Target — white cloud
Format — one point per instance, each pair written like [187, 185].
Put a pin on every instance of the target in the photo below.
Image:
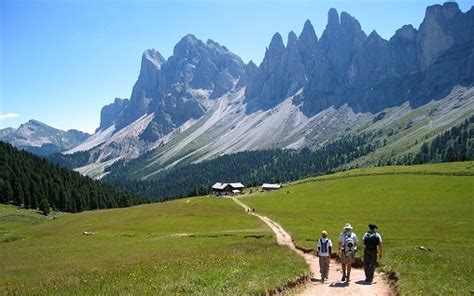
[8, 116]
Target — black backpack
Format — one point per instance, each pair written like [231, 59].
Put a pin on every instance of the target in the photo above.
[371, 240]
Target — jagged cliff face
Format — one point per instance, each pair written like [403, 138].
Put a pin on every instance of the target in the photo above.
[301, 95]
[366, 72]
[168, 96]
[111, 113]
[180, 88]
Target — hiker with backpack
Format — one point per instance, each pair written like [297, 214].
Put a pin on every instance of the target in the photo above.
[373, 244]
[324, 247]
[348, 248]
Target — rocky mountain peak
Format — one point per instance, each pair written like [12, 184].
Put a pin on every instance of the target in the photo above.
[350, 23]
[440, 29]
[34, 122]
[333, 19]
[308, 35]
[406, 32]
[154, 57]
[42, 139]
[187, 46]
[447, 10]
[110, 113]
[143, 91]
[292, 40]
[276, 44]
[375, 38]
[251, 65]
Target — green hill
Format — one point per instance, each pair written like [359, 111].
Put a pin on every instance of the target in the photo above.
[426, 205]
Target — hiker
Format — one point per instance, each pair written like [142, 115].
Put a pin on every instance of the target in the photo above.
[348, 247]
[324, 247]
[373, 243]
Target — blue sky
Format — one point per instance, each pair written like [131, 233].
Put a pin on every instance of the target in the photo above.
[62, 61]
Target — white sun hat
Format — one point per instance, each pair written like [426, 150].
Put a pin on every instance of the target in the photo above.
[348, 226]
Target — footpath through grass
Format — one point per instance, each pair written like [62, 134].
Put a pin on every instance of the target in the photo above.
[427, 205]
[191, 246]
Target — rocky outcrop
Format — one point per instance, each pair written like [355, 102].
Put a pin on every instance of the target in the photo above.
[177, 89]
[112, 112]
[167, 94]
[146, 88]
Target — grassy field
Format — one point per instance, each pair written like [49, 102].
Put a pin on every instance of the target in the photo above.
[427, 205]
[190, 246]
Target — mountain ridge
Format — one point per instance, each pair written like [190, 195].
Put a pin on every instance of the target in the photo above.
[302, 94]
[41, 139]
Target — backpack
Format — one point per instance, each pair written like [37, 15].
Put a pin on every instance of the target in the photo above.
[349, 243]
[324, 246]
[371, 240]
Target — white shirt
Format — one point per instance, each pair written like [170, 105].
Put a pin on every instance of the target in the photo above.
[343, 236]
[323, 245]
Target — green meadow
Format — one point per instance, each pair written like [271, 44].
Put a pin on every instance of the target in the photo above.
[190, 246]
[209, 245]
[414, 206]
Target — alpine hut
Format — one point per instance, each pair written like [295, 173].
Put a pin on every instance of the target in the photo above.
[220, 188]
[269, 187]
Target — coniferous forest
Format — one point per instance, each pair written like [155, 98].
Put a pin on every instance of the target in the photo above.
[456, 144]
[277, 165]
[36, 183]
[33, 182]
[249, 167]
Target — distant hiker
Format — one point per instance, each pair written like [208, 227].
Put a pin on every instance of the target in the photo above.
[348, 248]
[324, 246]
[373, 243]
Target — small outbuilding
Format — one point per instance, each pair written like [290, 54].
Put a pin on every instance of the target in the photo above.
[220, 188]
[269, 187]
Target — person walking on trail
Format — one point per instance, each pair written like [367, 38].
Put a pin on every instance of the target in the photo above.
[347, 246]
[324, 247]
[373, 244]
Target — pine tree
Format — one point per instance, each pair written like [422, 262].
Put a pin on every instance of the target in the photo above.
[44, 207]
[8, 192]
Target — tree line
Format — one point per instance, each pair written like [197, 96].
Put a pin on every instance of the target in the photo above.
[456, 144]
[33, 182]
[249, 167]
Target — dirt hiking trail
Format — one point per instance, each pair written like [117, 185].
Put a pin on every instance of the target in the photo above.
[334, 285]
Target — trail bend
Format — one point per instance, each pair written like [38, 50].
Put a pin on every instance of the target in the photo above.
[334, 285]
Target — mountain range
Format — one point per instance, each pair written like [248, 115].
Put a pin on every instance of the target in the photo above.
[39, 138]
[204, 101]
